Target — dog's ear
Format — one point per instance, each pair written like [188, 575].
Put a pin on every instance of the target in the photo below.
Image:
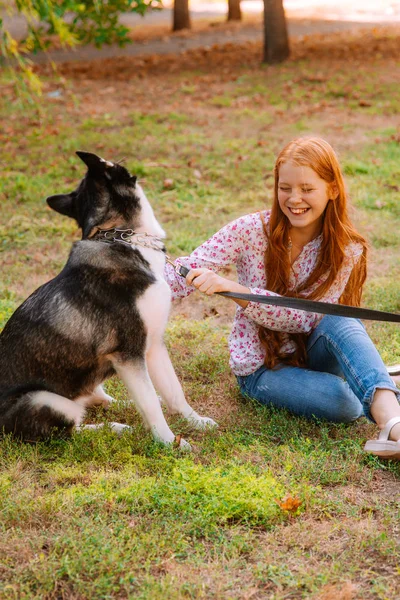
[62, 203]
[92, 161]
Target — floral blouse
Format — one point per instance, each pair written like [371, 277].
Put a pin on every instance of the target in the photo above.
[243, 243]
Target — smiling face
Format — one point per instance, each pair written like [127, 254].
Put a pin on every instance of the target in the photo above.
[302, 197]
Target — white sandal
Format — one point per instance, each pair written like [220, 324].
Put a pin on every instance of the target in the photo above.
[384, 447]
[393, 370]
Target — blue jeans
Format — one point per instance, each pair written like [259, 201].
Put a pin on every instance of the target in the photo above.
[343, 371]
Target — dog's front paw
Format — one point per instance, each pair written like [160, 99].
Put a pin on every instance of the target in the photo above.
[199, 422]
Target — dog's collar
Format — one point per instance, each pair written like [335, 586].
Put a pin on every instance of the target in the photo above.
[129, 237]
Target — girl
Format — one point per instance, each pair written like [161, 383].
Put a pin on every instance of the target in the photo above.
[315, 366]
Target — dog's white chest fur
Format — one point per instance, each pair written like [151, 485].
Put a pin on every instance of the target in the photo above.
[155, 303]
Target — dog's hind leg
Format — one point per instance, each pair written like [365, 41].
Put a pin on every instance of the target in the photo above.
[163, 376]
[104, 398]
[97, 398]
[38, 414]
[141, 389]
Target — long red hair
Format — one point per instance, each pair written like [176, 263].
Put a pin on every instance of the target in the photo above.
[337, 233]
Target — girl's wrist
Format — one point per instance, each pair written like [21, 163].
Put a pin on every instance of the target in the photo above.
[233, 286]
[239, 289]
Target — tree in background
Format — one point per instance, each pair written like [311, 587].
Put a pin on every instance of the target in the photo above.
[181, 15]
[234, 11]
[71, 22]
[276, 41]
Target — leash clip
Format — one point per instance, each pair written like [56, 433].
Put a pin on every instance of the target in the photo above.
[180, 269]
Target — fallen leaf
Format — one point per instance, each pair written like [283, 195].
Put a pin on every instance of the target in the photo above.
[289, 504]
[168, 184]
[177, 441]
[364, 103]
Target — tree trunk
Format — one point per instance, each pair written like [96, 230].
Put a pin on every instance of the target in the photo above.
[276, 42]
[234, 12]
[181, 15]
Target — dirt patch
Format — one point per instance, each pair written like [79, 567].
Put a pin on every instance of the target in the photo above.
[359, 46]
[156, 82]
[198, 307]
[148, 33]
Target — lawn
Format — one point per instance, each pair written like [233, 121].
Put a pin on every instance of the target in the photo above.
[269, 506]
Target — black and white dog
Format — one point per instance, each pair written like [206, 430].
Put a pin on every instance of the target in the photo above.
[105, 313]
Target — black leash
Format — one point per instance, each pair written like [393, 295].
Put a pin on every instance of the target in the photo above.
[325, 308]
[132, 238]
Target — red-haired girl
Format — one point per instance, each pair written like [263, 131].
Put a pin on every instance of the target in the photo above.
[306, 246]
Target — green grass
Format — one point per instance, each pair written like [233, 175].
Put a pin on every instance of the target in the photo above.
[104, 517]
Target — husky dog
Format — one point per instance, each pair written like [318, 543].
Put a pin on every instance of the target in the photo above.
[105, 313]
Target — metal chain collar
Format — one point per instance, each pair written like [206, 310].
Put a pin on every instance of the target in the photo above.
[130, 238]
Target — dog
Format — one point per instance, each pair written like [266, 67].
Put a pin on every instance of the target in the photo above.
[104, 314]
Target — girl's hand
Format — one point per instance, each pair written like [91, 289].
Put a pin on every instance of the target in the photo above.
[209, 283]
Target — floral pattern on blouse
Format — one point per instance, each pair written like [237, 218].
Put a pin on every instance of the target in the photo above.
[242, 243]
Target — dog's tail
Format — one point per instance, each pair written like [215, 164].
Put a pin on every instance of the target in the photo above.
[31, 412]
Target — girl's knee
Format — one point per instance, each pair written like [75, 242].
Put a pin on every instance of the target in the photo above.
[348, 410]
[340, 332]
[331, 323]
